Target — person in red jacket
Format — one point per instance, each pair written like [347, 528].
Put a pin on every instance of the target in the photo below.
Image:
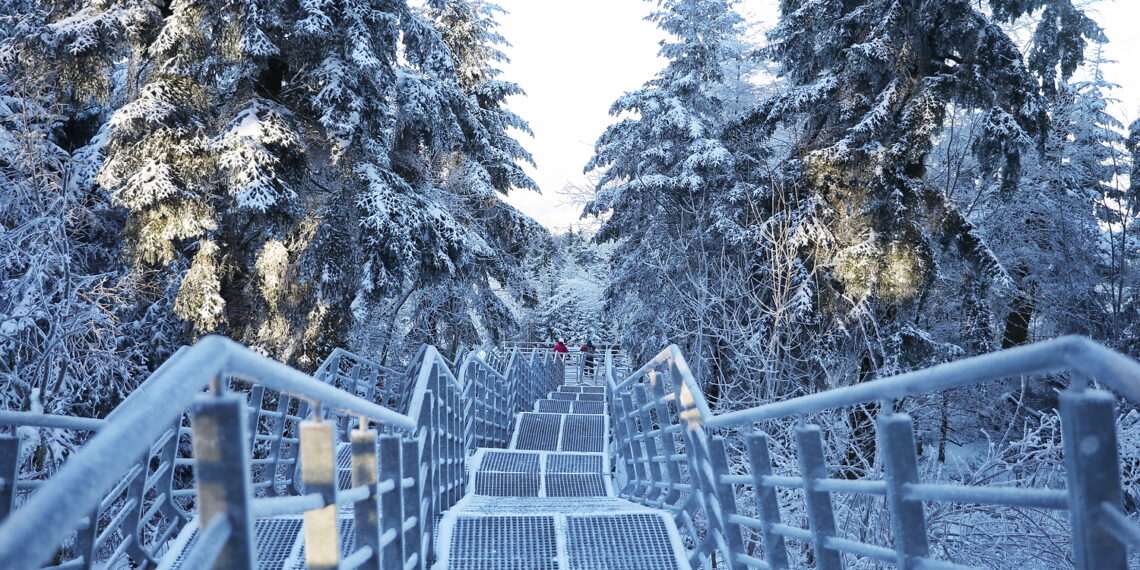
[560, 349]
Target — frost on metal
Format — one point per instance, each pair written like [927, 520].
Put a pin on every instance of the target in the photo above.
[742, 483]
[644, 476]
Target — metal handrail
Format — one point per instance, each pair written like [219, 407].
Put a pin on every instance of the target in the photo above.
[430, 435]
[30, 534]
[1061, 354]
[661, 419]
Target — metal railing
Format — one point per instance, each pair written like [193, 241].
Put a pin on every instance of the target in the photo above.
[717, 475]
[264, 441]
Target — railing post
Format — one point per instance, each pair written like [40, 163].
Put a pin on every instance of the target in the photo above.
[415, 509]
[221, 472]
[136, 492]
[277, 449]
[366, 513]
[726, 496]
[649, 443]
[318, 472]
[768, 505]
[85, 539]
[667, 442]
[454, 449]
[821, 517]
[9, 473]
[391, 503]
[900, 468]
[256, 396]
[636, 454]
[1092, 468]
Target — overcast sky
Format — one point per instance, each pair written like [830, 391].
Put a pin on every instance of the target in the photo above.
[575, 58]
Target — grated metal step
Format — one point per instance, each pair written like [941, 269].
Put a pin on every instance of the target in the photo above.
[537, 431]
[553, 406]
[561, 432]
[582, 396]
[633, 539]
[493, 543]
[510, 462]
[539, 474]
[570, 406]
[584, 433]
[275, 538]
[617, 542]
[575, 485]
[582, 407]
[575, 463]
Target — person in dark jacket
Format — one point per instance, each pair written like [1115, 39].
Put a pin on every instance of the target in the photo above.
[588, 351]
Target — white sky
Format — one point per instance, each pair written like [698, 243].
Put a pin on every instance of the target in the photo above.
[574, 59]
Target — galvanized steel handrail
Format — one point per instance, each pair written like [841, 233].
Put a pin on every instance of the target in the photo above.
[30, 534]
[672, 459]
[1075, 353]
[434, 405]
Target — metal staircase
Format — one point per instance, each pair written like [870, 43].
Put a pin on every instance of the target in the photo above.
[547, 502]
[521, 459]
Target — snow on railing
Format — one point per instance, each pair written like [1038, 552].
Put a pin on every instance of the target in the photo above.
[675, 455]
[264, 440]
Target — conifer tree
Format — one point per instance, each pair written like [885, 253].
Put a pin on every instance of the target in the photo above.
[870, 86]
[664, 167]
[293, 169]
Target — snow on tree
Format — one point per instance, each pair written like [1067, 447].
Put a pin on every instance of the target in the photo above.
[871, 84]
[664, 168]
[65, 300]
[291, 170]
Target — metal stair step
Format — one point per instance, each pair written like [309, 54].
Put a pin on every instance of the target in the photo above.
[569, 407]
[637, 538]
[561, 432]
[503, 473]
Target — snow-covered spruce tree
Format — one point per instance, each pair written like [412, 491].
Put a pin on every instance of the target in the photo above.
[1128, 302]
[871, 85]
[284, 165]
[452, 145]
[1049, 232]
[664, 170]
